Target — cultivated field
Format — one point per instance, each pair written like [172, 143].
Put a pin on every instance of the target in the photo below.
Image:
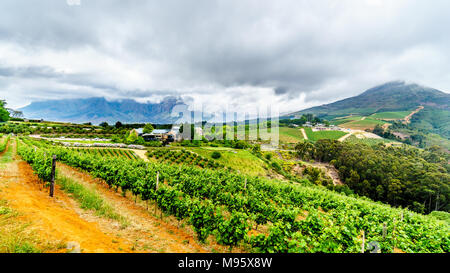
[120, 205]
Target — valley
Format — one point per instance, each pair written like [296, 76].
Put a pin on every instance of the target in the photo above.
[117, 191]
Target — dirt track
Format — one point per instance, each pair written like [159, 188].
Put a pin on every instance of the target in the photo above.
[60, 219]
[54, 219]
[408, 117]
[305, 136]
[145, 230]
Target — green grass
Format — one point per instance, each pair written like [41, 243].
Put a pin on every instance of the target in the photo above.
[314, 136]
[89, 199]
[15, 236]
[286, 134]
[368, 123]
[369, 141]
[7, 155]
[290, 135]
[391, 115]
[241, 160]
[342, 120]
[441, 215]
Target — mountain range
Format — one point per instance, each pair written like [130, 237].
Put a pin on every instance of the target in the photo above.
[97, 110]
[391, 96]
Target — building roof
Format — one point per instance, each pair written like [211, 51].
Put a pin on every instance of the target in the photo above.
[160, 131]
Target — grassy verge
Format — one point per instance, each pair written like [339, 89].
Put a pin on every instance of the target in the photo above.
[89, 199]
[241, 160]
[18, 237]
[7, 155]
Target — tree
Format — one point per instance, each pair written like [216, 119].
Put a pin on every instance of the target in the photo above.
[104, 124]
[305, 150]
[4, 114]
[132, 137]
[15, 114]
[148, 128]
[119, 124]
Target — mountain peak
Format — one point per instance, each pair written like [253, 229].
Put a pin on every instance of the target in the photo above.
[390, 96]
[99, 109]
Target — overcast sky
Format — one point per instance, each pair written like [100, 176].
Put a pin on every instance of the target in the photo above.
[245, 54]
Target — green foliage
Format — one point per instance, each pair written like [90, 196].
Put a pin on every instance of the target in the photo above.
[221, 203]
[4, 144]
[89, 199]
[398, 176]
[216, 155]
[231, 232]
[314, 136]
[441, 215]
[148, 128]
[4, 114]
[184, 157]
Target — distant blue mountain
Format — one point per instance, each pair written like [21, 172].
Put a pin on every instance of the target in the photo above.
[97, 110]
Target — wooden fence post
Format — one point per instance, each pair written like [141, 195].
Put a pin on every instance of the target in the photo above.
[363, 242]
[52, 182]
[157, 180]
[384, 230]
[157, 184]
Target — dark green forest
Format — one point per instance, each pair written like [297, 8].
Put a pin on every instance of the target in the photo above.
[401, 176]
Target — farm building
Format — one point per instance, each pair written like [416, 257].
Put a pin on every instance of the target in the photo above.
[160, 134]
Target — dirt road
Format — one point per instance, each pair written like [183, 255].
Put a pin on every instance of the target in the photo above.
[145, 231]
[342, 138]
[305, 136]
[140, 153]
[54, 219]
[60, 219]
[407, 119]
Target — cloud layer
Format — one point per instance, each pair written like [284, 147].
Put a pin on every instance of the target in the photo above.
[241, 54]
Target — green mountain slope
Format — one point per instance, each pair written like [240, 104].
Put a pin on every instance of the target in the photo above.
[392, 101]
[389, 97]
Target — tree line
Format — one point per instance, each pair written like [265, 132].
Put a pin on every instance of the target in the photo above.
[400, 176]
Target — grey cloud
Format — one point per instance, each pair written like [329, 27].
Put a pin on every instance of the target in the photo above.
[29, 72]
[294, 47]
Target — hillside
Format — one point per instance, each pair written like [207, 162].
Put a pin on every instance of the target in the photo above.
[419, 114]
[97, 110]
[389, 97]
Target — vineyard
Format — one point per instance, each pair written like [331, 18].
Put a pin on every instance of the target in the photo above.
[3, 143]
[183, 157]
[257, 214]
[127, 154]
[314, 136]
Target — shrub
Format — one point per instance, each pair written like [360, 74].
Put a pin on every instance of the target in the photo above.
[216, 155]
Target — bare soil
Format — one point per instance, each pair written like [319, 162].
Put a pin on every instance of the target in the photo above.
[60, 219]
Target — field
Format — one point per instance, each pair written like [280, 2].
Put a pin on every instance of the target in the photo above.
[391, 115]
[370, 141]
[122, 153]
[290, 135]
[240, 160]
[362, 124]
[286, 134]
[314, 136]
[346, 119]
[244, 212]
